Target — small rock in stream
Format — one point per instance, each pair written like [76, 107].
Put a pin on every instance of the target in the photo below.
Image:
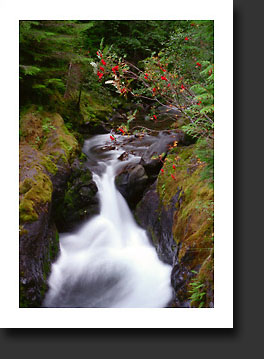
[123, 157]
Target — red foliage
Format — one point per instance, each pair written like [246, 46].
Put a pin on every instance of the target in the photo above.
[100, 74]
[114, 69]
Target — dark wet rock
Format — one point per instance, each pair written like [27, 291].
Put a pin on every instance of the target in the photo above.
[153, 157]
[123, 157]
[153, 166]
[168, 110]
[160, 147]
[79, 201]
[158, 221]
[39, 247]
[108, 148]
[181, 275]
[131, 183]
[94, 128]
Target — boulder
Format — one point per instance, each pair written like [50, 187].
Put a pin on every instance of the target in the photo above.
[158, 221]
[134, 179]
[94, 128]
[79, 201]
[131, 183]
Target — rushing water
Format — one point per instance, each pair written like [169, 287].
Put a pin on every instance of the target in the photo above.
[108, 262]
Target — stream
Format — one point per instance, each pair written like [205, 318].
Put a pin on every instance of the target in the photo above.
[108, 262]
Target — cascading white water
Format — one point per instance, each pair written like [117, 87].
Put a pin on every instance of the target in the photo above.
[109, 261]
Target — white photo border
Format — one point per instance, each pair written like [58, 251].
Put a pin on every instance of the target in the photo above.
[221, 316]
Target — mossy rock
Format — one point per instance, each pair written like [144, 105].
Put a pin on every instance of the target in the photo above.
[38, 166]
[79, 201]
[192, 219]
[44, 167]
[193, 224]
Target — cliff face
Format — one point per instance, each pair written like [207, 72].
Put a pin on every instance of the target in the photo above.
[45, 153]
[177, 212]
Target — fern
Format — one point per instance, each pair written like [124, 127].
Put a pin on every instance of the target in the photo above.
[197, 294]
[30, 70]
[38, 86]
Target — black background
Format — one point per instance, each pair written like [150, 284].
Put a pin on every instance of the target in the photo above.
[247, 336]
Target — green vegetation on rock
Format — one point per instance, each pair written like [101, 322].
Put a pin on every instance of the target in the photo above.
[193, 225]
[38, 164]
[36, 192]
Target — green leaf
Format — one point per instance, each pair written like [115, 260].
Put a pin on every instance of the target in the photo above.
[38, 86]
[207, 109]
[30, 70]
[198, 89]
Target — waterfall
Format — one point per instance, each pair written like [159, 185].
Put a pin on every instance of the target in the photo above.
[108, 261]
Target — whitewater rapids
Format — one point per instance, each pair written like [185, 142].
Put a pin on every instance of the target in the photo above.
[109, 261]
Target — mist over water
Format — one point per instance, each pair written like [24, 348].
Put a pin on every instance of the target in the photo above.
[108, 262]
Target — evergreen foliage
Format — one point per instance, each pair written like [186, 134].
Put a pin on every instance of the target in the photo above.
[46, 50]
[134, 39]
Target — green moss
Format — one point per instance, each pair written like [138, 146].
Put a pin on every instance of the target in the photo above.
[153, 236]
[65, 129]
[49, 165]
[23, 301]
[68, 143]
[186, 153]
[59, 155]
[22, 230]
[93, 108]
[30, 126]
[51, 255]
[25, 186]
[27, 212]
[86, 177]
[38, 195]
[54, 247]
[193, 224]
[66, 146]
[82, 157]
[71, 198]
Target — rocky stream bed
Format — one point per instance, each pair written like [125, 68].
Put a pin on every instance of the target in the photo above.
[58, 193]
